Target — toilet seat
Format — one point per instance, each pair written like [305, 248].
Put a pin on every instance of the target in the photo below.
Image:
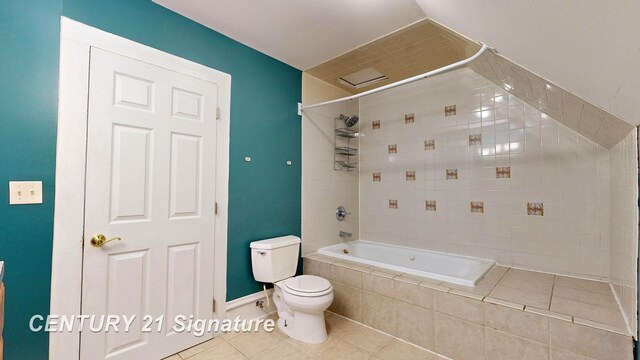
[307, 286]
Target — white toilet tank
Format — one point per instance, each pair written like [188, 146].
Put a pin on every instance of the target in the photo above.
[275, 259]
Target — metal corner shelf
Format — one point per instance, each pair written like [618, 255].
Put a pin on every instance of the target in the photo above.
[345, 156]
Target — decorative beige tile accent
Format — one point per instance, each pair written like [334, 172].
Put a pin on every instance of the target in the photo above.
[501, 346]
[459, 339]
[449, 110]
[459, 306]
[409, 118]
[375, 124]
[503, 172]
[393, 204]
[475, 139]
[535, 209]
[393, 149]
[517, 322]
[430, 144]
[410, 175]
[430, 205]
[377, 176]
[414, 324]
[452, 174]
[377, 312]
[347, 301]
[595, 343]
[477, 207]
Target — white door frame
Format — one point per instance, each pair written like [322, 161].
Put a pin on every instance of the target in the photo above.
[76, 40]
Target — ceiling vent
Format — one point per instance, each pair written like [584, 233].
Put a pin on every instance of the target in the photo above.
[362, 78]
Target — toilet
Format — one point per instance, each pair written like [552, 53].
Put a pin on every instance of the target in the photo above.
[300, 300]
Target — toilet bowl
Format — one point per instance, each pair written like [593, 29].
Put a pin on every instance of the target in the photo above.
[301, 302]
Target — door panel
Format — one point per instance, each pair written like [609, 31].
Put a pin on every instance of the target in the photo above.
[151, 160]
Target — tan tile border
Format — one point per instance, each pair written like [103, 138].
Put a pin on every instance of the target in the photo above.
[467, 294]
[600, 326]
[510, 304]
[547, 313]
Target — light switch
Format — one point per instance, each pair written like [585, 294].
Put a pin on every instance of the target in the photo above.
[25, 192]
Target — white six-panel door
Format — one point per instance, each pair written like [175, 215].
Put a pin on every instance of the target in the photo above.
[150, 180]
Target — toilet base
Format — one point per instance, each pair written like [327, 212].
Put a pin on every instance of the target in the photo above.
[308, 328]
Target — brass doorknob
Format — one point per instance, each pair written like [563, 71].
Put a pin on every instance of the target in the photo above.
[99, 239]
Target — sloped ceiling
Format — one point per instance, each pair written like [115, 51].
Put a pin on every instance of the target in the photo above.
[411, 51]
[300, 33]
[590, 48]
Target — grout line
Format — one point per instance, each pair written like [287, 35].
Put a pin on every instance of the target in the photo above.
[553, 288]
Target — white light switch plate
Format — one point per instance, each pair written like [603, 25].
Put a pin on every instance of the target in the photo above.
[25, 192]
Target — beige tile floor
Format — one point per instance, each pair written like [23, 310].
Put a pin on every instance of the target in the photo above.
[347, 340]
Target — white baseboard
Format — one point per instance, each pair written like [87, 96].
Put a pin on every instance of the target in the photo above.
[245, 307]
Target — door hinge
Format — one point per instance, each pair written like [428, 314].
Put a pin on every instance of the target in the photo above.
[213, 305]
[217, 113]
[216, 209]
[82, 242]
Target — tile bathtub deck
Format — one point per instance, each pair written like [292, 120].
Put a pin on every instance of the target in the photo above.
[587, 302]
[347, 340]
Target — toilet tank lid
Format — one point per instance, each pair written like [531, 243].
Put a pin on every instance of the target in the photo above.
[274, 243]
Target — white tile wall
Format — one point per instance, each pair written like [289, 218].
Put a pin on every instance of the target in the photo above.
[624, 225]
[550, 164]
[323, 188]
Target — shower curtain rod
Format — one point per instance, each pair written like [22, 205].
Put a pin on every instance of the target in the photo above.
[407, 81]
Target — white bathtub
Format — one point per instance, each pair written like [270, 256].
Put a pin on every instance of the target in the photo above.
[456, 269]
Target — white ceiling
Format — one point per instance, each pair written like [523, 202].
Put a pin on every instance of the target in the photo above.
[300, 33]
[591, 48]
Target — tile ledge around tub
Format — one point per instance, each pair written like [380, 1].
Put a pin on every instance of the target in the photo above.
[352, 265]
[467, 294]
[547, 313]
[319, 257]
[599, 326]
[436, 287]
[501, 302]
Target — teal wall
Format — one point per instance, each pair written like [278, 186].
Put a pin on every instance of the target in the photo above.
[29, 36]
[264, 195]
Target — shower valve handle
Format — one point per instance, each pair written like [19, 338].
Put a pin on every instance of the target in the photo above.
[341, 213]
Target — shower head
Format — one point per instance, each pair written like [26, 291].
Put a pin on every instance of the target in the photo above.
[349, 121]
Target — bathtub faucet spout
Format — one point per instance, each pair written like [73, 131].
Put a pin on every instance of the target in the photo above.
[344, 234]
